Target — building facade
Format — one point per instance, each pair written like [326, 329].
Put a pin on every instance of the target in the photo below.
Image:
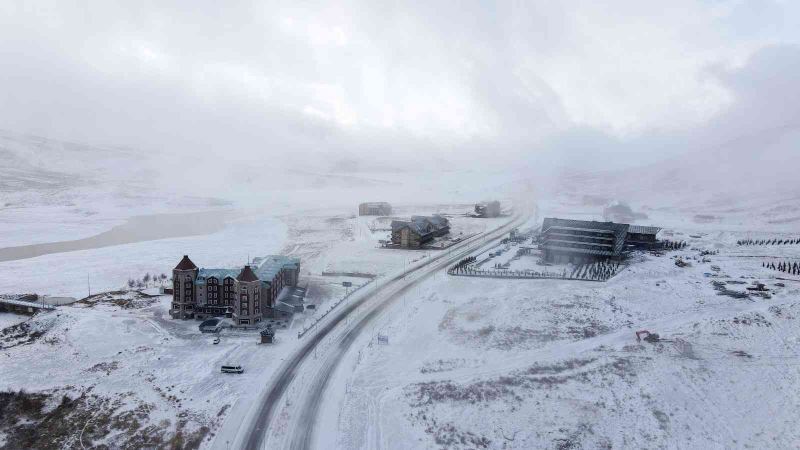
[375, 209]
[245, 295]
[488, 209]
[642, 237]
[418, 231]
[582, 241]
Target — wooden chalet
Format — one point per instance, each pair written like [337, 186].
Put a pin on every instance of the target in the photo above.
[418, 231]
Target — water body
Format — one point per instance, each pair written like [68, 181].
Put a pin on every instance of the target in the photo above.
[136, 229]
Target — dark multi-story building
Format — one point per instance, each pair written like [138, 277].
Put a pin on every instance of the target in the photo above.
[419, 230]
[580, 241]
[642, 237]
[246, 295]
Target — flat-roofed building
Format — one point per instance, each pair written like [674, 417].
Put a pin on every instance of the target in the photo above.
[642, 237]
[580, 241]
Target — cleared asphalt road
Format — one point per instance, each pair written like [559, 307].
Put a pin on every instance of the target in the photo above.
[305, 419]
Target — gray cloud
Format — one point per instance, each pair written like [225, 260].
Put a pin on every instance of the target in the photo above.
[377, 82]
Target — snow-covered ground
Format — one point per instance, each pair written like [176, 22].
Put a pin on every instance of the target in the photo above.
[168, 365]
[112, 345]
[10, 319]
[121, 350]
[555, 364]
[470, 362]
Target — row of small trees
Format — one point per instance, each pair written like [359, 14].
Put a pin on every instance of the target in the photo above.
[768, 242]
[469, 270]
[461, 266]
[146, 280]
[599, 270]
[673, 245]
[786, 266]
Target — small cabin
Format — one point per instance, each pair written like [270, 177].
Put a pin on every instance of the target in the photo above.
[374, 209]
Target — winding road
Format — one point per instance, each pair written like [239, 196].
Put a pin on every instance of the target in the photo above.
[332, 340]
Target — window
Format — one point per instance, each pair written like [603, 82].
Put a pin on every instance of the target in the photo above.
[227, 291]
[212, 291]
[244, 304]
[188, 292]
[244, 322]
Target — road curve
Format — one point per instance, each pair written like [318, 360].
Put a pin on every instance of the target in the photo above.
[303, 431]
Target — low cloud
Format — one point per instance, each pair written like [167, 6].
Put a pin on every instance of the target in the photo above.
[471, 85]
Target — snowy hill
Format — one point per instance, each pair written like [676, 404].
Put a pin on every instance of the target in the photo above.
[33, 162]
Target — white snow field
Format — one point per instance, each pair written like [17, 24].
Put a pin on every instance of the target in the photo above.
[155, 380]
[492, 363]
[470, 362]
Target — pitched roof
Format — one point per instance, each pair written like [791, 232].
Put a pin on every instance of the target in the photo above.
[185, 264]
[267, 267]
[220, 274]
[642, 229]
[417, 225]
[422, 225]
[283, 307]
[438, 221]
[217, 273]
[247, 274]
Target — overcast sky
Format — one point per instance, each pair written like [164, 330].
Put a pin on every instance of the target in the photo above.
[583, 81]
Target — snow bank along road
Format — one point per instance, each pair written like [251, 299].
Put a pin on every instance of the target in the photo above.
[337, 333]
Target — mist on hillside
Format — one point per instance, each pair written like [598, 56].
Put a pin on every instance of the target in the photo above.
[212, 100]
[399, 225]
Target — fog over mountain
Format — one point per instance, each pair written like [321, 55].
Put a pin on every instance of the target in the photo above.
[385, 225]
[359, 85]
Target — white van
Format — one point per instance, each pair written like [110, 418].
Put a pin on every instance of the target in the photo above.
[232, 369]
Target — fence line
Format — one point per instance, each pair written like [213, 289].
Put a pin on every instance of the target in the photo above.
[306, 329]
[519, 274]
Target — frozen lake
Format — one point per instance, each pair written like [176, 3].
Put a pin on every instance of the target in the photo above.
[136, 229]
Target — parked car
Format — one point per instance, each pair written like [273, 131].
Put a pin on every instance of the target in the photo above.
[232, 369]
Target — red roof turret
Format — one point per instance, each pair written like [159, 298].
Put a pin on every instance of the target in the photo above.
[247, 274]
[185, 264]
